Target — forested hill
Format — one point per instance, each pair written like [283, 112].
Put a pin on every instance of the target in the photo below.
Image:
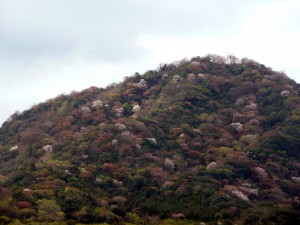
[210, 140]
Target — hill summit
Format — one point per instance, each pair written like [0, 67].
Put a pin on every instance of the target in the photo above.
[210, 140]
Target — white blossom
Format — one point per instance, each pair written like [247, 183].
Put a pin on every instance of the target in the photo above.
[261, 172]
[114, 142]
[176, 79]
[240, 195]
[120, 126]
[296, 179]
[165, 76]
[254, 122]
[169, 163]
[237, 126]
[251, 106]
[14, 148]
[117, 182]
[191, 77]
[194, 63]
[240, 101]
[285, 93]
[119, 111]
[85, 156]
[97, 104]
[211, 166]
[153, 140]
[48, 148]
[136, 108]
[85, 109]
[200, 75]
[248, 190]
[141, 85]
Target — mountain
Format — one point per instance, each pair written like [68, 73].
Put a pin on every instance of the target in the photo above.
[210, 140]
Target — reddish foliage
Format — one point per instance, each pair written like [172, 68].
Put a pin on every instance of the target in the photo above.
[232, 211]
[117, 171]
[119, 199]
[177, 216]
[102, 138]
[4, 191]
[128, 138]
[176, 131]
[193, 154]
[224, 182]
[158, 173]
[67, 134]
[153, 158]
[183, 144]
[239, 158]
[87, 175]
[24, 205]
[31, 135]
[106, 147]
[125, 150]
[183, 187]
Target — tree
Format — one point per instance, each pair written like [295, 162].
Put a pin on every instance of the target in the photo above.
[49, 211]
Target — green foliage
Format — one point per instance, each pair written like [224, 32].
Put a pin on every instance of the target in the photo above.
[16, 222]
[49, 211]
[271, 215]
[4, 220]
[133, 218]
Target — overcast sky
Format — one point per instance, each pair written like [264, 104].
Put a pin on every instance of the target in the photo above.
[49, 47]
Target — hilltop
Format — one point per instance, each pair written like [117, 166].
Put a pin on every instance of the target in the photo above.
[209, 140]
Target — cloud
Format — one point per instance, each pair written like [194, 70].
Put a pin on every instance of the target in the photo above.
[104, 30]
[261, 34]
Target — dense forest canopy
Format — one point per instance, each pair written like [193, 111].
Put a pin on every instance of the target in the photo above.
[207, 140]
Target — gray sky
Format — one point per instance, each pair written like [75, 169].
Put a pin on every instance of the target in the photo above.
[49, 47]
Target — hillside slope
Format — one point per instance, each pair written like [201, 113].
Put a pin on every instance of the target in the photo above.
[207, 139]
